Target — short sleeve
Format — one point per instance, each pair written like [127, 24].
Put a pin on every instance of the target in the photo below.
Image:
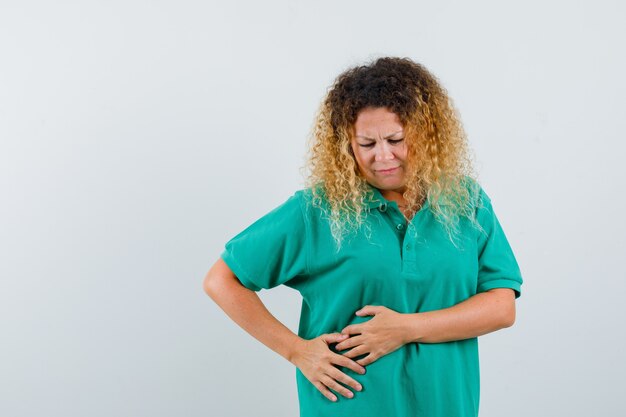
[497, 266]
[272, 250]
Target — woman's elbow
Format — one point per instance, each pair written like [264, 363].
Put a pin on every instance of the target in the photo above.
[509, 318]
[217, 278]
[207, 284]
[509, 314]
[212, 280]
[504, 303]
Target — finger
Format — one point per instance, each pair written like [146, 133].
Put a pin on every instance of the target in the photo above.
[369, 359]
[336, 386]
[325, 391]
[352, 329]
[337, 375]
[347, 363]
[333, 337]
[357, 351]
[369, 310]
[351, 342]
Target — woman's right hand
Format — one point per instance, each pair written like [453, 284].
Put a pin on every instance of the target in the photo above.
[316, 361]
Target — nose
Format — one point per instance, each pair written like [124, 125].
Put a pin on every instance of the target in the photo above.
[383, 152]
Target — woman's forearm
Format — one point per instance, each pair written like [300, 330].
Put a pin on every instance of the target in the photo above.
[245, 308]
[480, 314]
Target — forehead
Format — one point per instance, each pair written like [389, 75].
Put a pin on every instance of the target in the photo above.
[376, 120]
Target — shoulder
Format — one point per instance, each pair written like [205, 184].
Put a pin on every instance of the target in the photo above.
[306, 197]
[296, 208]
[476, 192]
[300, 199]
[305, 194]
[292, 207]
[288, 211]
[315, 209]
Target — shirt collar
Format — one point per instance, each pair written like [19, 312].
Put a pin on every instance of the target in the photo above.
[378, 201]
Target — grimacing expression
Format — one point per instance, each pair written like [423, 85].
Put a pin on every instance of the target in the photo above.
[379, 148]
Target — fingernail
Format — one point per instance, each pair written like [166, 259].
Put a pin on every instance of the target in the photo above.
[359, 387]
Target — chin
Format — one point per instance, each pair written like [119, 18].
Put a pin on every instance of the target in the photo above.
[390, 187]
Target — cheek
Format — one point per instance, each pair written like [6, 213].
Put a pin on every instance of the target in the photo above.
[361, 159]
[360, 165]
[403, 152]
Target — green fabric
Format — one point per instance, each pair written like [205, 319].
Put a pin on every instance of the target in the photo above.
[408, 267]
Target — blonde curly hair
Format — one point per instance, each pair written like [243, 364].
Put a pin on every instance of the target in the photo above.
[439, 164]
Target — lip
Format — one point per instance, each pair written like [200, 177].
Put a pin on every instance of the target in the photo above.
[387, 171]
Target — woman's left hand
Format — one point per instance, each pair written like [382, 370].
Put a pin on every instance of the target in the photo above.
[381, 335]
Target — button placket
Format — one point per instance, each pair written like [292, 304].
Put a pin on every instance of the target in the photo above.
[398, 219]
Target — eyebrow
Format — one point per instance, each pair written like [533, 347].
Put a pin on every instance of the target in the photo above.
[393, 134]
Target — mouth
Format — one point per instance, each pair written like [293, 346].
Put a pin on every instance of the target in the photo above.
[387, 171]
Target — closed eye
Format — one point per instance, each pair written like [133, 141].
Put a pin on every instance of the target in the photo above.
[393, 142]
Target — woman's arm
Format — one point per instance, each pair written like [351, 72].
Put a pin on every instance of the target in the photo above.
[480, 314]
[246, 309]
[312, 357]
[388, 330]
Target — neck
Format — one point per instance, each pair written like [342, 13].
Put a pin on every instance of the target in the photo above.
[393, 195]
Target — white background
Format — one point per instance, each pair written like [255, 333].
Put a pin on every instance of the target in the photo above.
[137, 137]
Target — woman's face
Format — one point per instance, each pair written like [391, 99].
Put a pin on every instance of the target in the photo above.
[379, 148]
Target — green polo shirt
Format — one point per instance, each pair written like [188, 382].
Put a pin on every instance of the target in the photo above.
[408, 267]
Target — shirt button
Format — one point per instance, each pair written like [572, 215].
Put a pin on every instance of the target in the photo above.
[408, 247]
[383, 207]
[400, 226]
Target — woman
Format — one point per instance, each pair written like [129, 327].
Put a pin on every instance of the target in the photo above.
[394, 247]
